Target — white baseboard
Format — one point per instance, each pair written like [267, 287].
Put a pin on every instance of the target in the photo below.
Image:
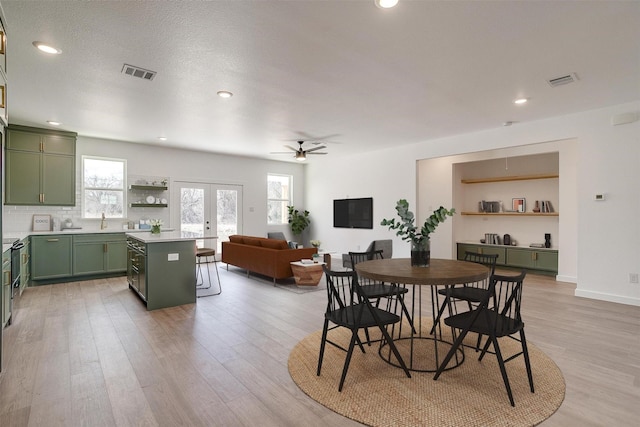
[570, 279]
[608, 297]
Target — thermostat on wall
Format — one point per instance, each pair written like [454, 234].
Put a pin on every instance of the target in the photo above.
[599, 197]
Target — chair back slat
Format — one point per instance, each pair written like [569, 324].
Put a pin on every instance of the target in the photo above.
[506, 296]
[357, 257]
[340, 290]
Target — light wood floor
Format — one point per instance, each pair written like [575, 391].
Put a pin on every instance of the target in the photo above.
[88, 353]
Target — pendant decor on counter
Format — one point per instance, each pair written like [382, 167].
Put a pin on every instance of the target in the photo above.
[420, 253]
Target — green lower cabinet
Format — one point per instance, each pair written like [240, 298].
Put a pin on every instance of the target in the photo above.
[25, 265]
[542, 260]
[99, 254]
[51, 256]
[5, 310]
[482, 249]
[533, 259]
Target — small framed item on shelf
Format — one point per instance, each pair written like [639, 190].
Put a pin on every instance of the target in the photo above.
[519, 204]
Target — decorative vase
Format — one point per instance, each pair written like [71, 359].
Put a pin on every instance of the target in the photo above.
[155, 229]
[420, 253]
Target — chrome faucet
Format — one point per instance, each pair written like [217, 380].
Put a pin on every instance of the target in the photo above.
[103, 223]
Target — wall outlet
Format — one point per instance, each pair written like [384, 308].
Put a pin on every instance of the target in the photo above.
[173, 257]
[633, 277]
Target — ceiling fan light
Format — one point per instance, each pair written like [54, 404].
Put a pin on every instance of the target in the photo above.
[301, 157]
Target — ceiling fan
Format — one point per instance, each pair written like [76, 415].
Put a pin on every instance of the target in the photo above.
[300, 153]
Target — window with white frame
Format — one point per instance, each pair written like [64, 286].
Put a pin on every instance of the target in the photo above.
[103, 187]
[279, 191]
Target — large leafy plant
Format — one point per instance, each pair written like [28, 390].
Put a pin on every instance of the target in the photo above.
[298, 220]
[406, 227]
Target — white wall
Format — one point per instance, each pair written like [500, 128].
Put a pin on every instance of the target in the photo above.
[605, 159]
[147, 160]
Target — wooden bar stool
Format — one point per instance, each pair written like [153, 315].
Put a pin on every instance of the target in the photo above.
[206, 253]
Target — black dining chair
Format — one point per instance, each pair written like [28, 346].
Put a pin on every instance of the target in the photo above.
[375, 290]
[347, 308]
[473, 292]
[497, 316]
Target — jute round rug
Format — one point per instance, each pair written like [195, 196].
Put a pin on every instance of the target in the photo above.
[473, 394]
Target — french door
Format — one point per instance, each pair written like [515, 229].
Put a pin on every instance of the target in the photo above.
[208, 210]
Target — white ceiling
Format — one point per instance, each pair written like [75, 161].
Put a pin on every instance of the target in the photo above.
[346, 71]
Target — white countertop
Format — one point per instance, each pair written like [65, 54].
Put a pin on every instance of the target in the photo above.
[470, 242]
[163, 236]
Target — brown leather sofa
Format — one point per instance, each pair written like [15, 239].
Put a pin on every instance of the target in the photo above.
[269, 257]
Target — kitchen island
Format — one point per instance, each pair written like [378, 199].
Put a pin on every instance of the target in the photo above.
[161, 268]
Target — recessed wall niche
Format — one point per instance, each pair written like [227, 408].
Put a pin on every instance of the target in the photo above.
[534, 178]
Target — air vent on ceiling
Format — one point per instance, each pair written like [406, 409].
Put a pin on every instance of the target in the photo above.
[563, 80]
[141, 73]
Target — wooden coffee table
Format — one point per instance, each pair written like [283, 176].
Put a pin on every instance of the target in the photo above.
[307, 274]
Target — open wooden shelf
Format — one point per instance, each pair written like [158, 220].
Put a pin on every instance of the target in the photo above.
[511, 213]
[509, 178]
[148, 187]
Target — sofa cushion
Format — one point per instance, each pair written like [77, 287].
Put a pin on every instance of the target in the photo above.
[274, 244]
[251, 241]
[235, 239]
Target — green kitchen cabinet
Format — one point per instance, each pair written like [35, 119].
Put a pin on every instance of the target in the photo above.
[25, 263]
[99, 253]
[51, 256]
[6, 287]
[40, 167]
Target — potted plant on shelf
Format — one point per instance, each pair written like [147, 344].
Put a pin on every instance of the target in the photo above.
[419, 238]
[298, 221]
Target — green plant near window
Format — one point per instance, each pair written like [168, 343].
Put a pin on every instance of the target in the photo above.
[298, 221]
[406, 227]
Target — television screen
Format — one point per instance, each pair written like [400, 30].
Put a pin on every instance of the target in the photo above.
[353, 213]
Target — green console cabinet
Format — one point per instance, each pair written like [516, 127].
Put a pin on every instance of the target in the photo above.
[99, 253]
[51, 256]
[538, 260]
[40, 167]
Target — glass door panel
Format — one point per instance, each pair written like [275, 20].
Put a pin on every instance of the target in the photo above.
[200, 203]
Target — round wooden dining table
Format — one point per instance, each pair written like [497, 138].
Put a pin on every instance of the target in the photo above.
[421, 350]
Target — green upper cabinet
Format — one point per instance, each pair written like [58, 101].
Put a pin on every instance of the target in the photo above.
[40, 167]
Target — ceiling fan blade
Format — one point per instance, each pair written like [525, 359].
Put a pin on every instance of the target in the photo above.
[315, 153]
[280, 152]
[290, 148]
[315, 148]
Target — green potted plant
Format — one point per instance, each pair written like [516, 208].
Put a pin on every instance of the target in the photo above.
[419, 238]
[298, 221]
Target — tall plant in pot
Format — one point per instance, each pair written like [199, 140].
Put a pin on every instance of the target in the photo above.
[298, 220]
[419, 238]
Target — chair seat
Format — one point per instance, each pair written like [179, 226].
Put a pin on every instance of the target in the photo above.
[466, 293]
[205, 252]
[360, 316]
[484, 324]
[381, 290]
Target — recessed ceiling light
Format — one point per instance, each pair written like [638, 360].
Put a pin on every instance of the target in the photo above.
[521, 101]
[43, 47]
[162, 138]
[53, 123]
[385, 4]
[224, 94]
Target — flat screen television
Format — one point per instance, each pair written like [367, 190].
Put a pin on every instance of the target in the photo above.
[353, 213]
